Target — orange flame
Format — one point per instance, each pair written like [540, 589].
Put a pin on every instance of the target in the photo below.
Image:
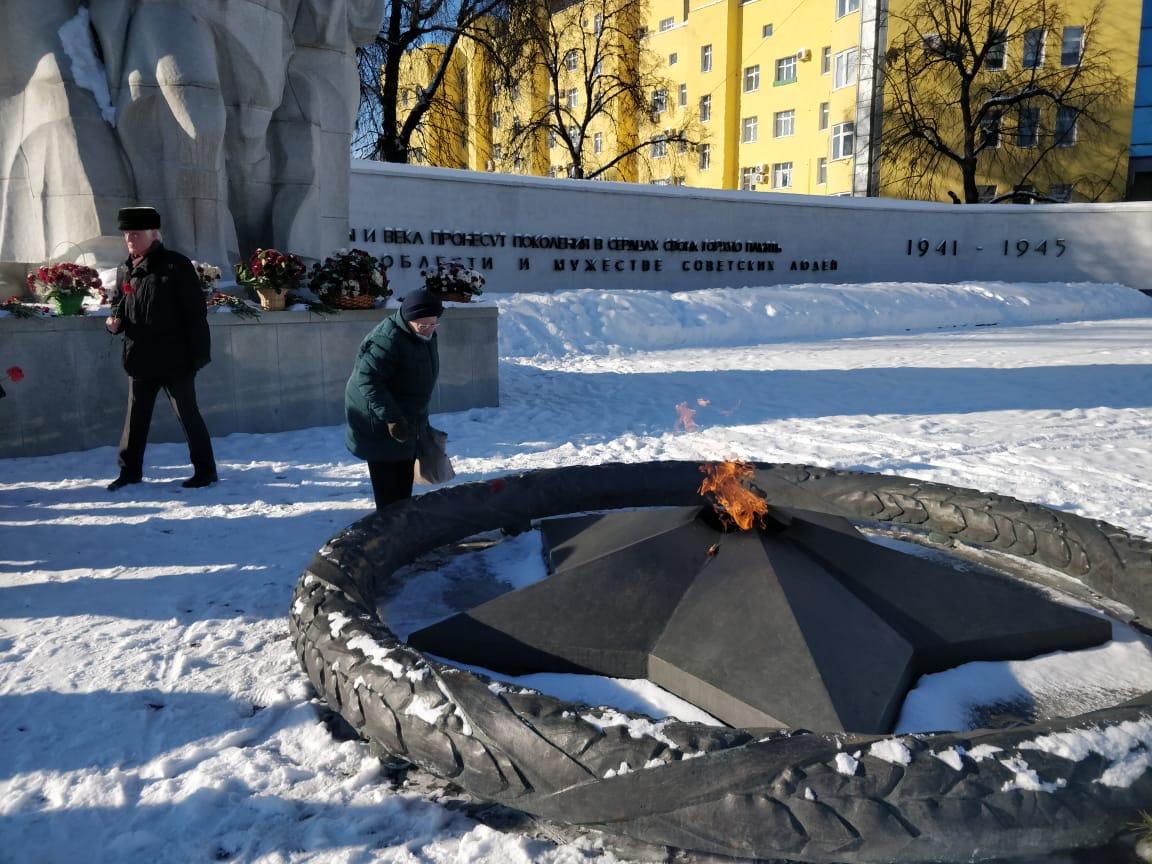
[723, 485]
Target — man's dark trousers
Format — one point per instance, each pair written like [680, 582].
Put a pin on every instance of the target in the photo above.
[181, 392]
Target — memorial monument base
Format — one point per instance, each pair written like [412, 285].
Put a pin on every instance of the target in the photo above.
[285, 370]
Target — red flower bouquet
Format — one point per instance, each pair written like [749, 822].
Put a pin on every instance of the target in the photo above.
[64, 286]
[270, 273]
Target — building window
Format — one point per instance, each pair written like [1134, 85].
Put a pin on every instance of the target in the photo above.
[406, 97]
[706, 58]
[705, 157]
[495, 119]
[1061, 192]
[782, 175]
[1072, 46]
[667, 24]
[572, 97]
[843, 140]
[551, 139]
[681, 146]
[933, 44]
[1028, 127]
[1066, 125]
[659, 101]
[748, 178]
[1033, 48]
[784, 123]
[765, 31]
[825, 59]
[748, 130]
[683, 100]
[997, 51]
[985, 192]
[598, 22]
[598, 142]
[705, 109]
[845, 69]
[990, 132]
[823, 116]
[673, 58]
[574, 136]
[497, 152]
[751, 78]
[515, 92]
[516, 126]
[821, 171]
[659, 147]
[845, 7]
[571, 60]
[786, 69]
[518, 163]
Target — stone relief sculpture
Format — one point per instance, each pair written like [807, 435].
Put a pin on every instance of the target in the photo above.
[232, 119]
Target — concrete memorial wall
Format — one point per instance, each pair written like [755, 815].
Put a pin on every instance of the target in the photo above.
[538, 234]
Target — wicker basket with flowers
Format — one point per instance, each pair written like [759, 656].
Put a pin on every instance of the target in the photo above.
[350, 279]
[271, 273]
[451, 280]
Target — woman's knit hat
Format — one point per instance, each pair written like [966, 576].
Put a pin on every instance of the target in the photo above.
[421, 304]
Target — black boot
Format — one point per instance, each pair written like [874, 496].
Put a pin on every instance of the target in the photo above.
[124, 480]
[198, 481]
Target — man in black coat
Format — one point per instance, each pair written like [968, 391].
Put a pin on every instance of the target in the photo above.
[159, 307]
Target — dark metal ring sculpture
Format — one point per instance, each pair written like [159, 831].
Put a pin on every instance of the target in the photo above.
[959, 796]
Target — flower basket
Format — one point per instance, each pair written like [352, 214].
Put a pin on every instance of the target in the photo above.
[270, 274]
[350, 279]
[64, 286]
[454, 282]
[67, 304]
[362, 301]
[271, 299]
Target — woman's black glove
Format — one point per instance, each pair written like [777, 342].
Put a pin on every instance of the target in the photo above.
[399, 430]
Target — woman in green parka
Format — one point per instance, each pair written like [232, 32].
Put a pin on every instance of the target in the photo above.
[387, 396]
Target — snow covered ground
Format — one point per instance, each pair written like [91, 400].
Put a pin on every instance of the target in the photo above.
[151, 708]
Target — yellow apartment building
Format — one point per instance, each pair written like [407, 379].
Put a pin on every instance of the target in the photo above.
[784, 97]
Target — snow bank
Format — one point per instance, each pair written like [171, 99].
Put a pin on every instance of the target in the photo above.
[607, 322]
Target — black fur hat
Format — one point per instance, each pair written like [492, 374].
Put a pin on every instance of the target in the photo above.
[137, 219]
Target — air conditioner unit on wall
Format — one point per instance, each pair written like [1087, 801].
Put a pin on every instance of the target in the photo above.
[757, 178]
[803, 53]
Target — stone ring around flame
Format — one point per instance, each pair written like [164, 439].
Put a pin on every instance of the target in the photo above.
[723, 790]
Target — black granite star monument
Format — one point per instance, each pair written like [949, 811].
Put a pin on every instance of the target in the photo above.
[800, 621]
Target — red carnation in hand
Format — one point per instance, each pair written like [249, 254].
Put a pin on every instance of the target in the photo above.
[497, 484]
[15, 374]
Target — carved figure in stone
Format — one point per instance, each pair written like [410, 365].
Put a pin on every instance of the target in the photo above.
[232, 118]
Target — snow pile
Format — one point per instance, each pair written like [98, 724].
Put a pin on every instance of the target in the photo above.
[606, 322]
[87, 69]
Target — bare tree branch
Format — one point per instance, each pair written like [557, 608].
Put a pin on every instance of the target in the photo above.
[385, 128]
[959, 96]
[593, 73]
